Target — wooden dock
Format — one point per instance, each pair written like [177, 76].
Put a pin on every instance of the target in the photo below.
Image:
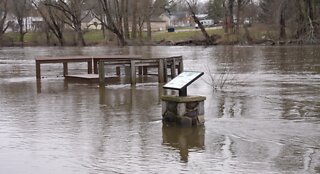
[132, 64]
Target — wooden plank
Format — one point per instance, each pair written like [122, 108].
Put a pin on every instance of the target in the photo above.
[61, 60]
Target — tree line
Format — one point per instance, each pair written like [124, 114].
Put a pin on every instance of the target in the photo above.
[124, 20]
[113, 16]
[297, 20]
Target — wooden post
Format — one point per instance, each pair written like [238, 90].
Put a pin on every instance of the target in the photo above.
[90, 67]
[161, 71]
[118, 71]
[95, 66]
[145, 70]
[133, 72]
[65, 69]
[38, 86]
[180, 69]
[173, 68]
[127, 71]
[140, 70]
[101, 74]
[38, 70]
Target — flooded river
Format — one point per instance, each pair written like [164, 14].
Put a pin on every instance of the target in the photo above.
[262, 114]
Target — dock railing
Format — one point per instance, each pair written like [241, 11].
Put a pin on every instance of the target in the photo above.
[97, 65]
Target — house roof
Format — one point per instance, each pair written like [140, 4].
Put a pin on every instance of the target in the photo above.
[87, 19]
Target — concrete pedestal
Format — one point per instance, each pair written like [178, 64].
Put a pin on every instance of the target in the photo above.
[185, 111]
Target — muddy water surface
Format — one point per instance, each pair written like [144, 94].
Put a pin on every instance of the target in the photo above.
[262, 114]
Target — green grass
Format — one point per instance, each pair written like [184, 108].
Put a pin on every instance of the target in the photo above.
[183, 35]
[93, 36]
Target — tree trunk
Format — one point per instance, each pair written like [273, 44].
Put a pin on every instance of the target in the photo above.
[148, 19]
[230, 21]
[282, 22]
[3, 25]
[311, 19]
[209, 41]
[80, 38]
[21, 32]
[61, 41]
[134, 19]
[239, 21]
[309, 9]
[301, 21]
[203, 30]
[47, 33]
[121, 38]
[126, 19]
[226, 28]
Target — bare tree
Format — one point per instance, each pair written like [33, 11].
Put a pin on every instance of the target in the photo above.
[301, 27]
[53, 19]
[112, 18]
[134, 19]
[20, 10]
[149, 11]
[192, 4]
[125, 11]
[310, 19]
[3, 16]
[215, 10]
[229, 20]
[240, 6]
[298, 16]
[282, 20]
[73, 11]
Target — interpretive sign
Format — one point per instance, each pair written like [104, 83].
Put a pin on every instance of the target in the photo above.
[182, 81]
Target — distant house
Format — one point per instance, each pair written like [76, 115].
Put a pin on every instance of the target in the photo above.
[91, 23]
[157, 24]
[180, 19]
[30, 23]
[166, 17]
[33, 23]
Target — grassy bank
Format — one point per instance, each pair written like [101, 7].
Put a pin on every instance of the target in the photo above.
[183, 34]
[95, 37]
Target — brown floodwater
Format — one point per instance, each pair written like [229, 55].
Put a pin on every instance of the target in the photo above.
[262, 114]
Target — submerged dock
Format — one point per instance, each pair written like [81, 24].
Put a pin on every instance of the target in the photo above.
[131, 64]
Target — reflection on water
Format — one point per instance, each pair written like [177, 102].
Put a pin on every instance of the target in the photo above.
[267, 120]
[184, 139]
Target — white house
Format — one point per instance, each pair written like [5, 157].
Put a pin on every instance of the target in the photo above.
[91, 23]
[30, 23]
